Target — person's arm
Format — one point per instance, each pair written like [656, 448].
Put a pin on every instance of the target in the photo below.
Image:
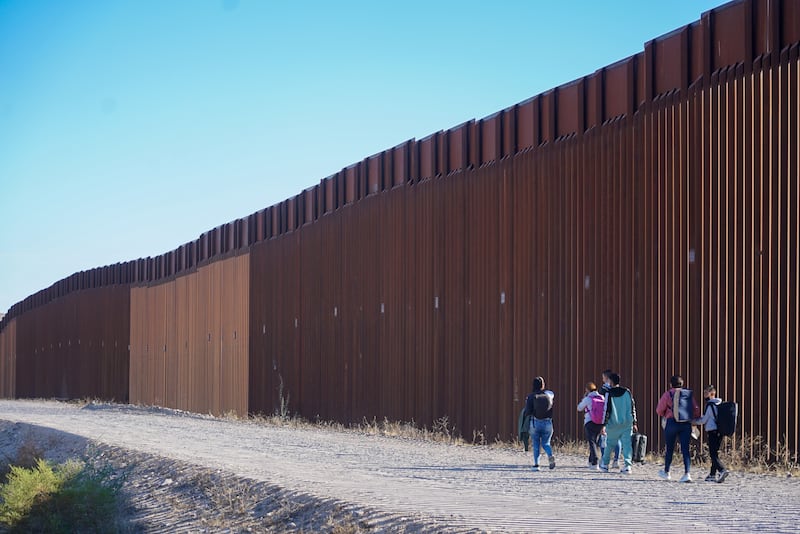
[705, 418]
[583, 405]
[663, 404]
[529, 405]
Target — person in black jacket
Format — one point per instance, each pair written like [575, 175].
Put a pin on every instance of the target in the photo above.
[539, 405]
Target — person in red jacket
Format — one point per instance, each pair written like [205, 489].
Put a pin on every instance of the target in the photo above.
[678, 426]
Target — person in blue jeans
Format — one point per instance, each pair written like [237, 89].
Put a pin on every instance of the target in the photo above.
[539, 405]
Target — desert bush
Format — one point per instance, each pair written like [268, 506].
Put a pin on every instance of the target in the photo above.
[28, 455]
[70, 497]
[26, 487]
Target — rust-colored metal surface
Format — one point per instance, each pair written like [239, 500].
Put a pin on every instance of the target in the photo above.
[644, 218]
[8, 360]
[74, 347]
[275, 320]
[190, 339]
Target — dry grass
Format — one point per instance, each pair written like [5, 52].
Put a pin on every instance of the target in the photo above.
[743, 454]
[752, 454]
[441, 430]
[84, 401]
[231, 499]
[749, 454]
[27, 456]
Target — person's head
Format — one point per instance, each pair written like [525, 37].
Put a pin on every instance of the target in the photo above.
[613, 379]
[590, 386]
[676, 381]
[606, 375]
[709, 391]
[538, 383]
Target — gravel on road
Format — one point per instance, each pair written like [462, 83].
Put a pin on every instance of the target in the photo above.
[394, 483]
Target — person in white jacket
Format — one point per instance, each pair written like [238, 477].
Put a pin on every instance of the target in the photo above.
[718, 471]
[591, 430]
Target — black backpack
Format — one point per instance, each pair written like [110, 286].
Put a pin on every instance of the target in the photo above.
[726, 416]
[542, 405]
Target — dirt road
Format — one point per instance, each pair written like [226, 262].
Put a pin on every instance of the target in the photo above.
[461, 486]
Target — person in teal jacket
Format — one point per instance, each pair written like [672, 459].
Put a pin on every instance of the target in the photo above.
[620, 422]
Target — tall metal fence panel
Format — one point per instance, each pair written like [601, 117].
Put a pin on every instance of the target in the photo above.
[660, 243]
[75, 347]
[8, 360]
[190, 339]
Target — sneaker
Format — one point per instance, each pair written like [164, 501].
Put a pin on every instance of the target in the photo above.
[535, 468]
[664, 474]
[723, 475]
[686, 478]
[711, 478]
[594, 467]
[627, 470]
[552, 462]
[604, 468]
[615, 464]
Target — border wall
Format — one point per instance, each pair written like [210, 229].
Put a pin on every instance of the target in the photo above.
[644, 217]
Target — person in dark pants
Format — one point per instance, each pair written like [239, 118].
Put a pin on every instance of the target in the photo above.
[675, 429]
[718, 471]
[592, 430]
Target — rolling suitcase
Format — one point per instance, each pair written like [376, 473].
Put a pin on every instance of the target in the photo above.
[639, 446]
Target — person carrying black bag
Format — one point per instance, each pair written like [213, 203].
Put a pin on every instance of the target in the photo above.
[539, 405]
[718, 470]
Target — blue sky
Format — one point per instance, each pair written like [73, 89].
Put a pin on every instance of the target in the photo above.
[130, 127]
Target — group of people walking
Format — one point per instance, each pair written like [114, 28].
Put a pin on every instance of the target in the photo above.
[610, 422]
[609, 415]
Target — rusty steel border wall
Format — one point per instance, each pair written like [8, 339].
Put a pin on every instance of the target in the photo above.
[644, 218]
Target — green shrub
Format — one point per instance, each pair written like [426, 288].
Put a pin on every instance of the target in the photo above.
[68, 498]
[25, 488]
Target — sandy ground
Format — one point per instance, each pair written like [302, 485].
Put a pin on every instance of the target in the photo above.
[382, 483]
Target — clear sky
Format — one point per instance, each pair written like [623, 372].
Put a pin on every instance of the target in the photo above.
[129, 127]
